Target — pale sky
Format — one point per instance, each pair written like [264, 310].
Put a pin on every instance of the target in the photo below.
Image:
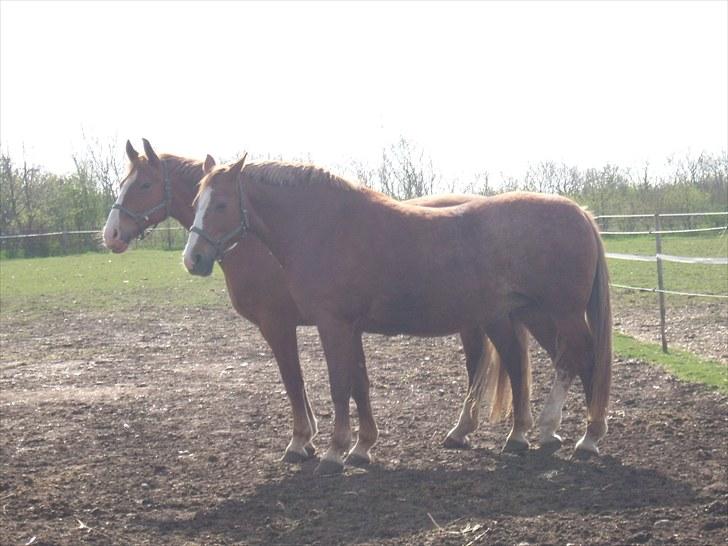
[480, 86]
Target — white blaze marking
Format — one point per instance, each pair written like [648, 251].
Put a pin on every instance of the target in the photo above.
[202, 203]
[112, 222]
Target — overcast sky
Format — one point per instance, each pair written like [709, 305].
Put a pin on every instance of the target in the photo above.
[479, 86]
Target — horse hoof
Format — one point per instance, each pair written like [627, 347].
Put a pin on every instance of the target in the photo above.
[584, 454]
[328, 468]
[550, 446]
[515, 446]
[293, 457]
[310, 450]
[586, 448]
[354, 459]
[454, 443]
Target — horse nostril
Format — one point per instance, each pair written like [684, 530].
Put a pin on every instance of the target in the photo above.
[198, 259]
[115, 234]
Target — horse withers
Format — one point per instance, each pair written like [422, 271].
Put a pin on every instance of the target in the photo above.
[357, 261]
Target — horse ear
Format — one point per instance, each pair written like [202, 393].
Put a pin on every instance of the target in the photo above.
[149, 151]
[208, 165]
[238, 166]
[131, 153]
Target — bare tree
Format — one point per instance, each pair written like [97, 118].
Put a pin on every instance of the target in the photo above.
[104, 162]
[480, 184]
[406, 172]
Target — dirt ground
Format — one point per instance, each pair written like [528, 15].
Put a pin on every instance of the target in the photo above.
[693, 324]
[162, 426]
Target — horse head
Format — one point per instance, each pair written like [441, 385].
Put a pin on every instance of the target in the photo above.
[144, 199]
[220, 218]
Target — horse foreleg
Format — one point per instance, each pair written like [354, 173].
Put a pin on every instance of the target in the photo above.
[476, 362]
[342, 348]
[282, 341]
[368, 432]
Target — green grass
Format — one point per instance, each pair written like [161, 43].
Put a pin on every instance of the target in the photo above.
[93, 281]
[682, 364]
[703, 279]
[104, 281]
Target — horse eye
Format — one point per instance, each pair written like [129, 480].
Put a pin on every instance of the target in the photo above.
[145, 185]
[220, 207]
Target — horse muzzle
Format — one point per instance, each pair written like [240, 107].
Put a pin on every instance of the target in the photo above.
[114, 241]
[199, 264]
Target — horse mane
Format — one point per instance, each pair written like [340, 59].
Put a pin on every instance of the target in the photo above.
[279, 173]
[184, 166]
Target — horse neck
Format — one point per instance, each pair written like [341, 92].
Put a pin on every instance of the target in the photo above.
[184, 175]
[283, 217]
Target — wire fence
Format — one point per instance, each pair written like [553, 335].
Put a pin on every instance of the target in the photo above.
[167, 236]
[659, 257]
[170, 236]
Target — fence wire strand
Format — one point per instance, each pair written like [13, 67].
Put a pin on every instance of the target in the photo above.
[614, 255]
[674, 292]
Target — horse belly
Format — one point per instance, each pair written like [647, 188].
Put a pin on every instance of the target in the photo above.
[414, 314]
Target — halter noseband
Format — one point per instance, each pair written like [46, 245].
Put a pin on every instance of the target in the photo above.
[221, 244]
[142, 218]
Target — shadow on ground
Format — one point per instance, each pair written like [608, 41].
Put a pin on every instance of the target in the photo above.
[302, 509]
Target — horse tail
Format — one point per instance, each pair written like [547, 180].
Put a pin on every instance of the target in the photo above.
[492, 382]
[480, 388]
[496, 385]
[599, 318]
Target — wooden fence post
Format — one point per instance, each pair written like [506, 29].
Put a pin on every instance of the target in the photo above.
[660, 281]
[169, 236]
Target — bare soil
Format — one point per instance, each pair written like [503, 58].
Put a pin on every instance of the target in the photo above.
[165, 427]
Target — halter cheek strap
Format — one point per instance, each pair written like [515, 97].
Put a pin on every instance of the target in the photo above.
[221, 244]
[141, 219]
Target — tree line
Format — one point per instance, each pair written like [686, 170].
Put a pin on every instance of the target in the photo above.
[33, 200]
[687, 184]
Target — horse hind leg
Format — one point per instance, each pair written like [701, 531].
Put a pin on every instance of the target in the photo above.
[479, 353]
[596, 426]
[550, 418]
[511, 341]
[543, 328]
[575, 356]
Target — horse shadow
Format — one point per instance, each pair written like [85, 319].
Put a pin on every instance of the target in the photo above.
[382, 503]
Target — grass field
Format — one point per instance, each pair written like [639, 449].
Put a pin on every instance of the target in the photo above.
[30, 287]
[104, 281]
[704, 279]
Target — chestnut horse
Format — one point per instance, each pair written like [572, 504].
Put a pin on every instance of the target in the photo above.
[160, 186]
[356, 261]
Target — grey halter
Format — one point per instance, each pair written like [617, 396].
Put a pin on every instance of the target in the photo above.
[220, 244]
[141, 219]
